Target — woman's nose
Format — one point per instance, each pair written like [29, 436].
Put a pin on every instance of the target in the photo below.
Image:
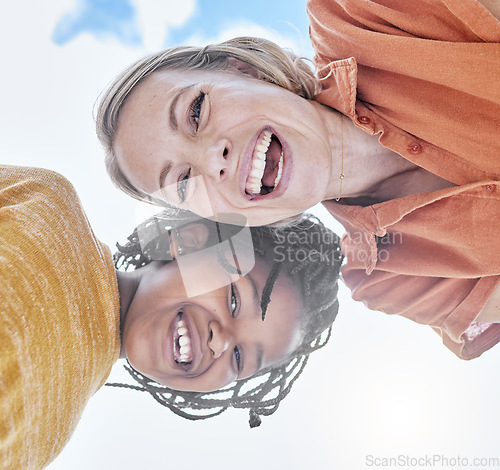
[218, 340]
[215, 161]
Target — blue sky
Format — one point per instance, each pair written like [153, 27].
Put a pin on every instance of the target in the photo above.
[100, 18]
[118, 19]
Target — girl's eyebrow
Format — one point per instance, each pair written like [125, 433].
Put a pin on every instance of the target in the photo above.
[255, 296]
[173, 107]
[257, 308]
[260, 353]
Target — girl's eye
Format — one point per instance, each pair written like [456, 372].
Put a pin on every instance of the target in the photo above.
[234, 300]
[195, 111]
[237, 356]
[182, 185]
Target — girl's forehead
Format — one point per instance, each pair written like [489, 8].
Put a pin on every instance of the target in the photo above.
[215, 267]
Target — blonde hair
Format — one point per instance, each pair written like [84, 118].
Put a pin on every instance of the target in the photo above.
[273, 64]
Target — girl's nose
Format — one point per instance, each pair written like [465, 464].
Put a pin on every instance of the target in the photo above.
[219, 340]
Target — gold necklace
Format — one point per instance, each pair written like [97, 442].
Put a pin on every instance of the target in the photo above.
[341, 157]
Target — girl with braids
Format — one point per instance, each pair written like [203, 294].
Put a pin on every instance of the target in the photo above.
[67, 315]
[395, 132]
[313, 269]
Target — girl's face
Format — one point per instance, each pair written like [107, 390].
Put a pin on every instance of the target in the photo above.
[205, 342]
[214, 142]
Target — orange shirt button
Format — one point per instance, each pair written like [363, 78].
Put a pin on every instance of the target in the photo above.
[414, 148]
[490, 187]
[364, 120]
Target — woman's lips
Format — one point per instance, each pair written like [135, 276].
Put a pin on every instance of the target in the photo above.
[253, 175]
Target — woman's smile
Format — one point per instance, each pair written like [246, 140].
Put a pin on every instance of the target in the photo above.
[266, 168]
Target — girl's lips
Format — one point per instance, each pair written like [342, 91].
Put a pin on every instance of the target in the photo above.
[197, 355]
[246, 165]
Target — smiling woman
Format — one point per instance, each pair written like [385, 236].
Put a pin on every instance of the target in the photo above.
[205, 128]
[186, 124]
[260, 134]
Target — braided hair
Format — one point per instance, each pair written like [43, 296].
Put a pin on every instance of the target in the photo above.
[308, 253]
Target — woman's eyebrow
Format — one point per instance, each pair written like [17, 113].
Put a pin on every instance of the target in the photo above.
[164, 173]
[173, 106]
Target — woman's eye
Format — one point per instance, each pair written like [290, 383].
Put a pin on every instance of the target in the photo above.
[195, 111]
[182, 184]
[237, 357]
[234, 300]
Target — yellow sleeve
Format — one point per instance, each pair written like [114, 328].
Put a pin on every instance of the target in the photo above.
[59, 315]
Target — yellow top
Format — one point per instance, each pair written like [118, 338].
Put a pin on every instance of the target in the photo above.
[59, 315]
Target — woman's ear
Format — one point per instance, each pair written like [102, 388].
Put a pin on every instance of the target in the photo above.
[188, 239]
[237, 65]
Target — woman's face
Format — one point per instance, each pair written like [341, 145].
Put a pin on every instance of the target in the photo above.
[205, 342]
[214, 142]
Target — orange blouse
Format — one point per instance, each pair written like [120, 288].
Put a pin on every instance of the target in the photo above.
[423, 75]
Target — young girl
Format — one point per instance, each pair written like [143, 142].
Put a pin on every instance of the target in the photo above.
[67, 316]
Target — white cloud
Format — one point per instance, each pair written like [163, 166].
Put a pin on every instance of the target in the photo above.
[155, 17]
[295, 40]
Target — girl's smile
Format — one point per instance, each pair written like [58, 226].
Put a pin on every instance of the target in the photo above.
[205, 342]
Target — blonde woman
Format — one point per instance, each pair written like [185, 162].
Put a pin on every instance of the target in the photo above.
[396, 133]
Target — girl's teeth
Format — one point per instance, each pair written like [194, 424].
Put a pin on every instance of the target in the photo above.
[184, 342]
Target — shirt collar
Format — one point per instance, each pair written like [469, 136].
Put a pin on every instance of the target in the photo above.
[338, 81]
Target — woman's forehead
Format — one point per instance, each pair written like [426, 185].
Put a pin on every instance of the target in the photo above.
[175, 79]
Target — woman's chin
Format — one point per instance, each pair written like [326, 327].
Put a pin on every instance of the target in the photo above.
[269, 217]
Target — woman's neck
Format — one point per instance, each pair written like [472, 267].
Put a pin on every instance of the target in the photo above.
[371, 172]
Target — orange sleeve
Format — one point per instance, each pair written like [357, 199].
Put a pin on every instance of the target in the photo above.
[449, 306]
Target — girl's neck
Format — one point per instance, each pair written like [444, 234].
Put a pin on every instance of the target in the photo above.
[128, 282]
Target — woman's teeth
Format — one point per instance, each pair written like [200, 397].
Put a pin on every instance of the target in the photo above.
[280, 170]
[254, 180]
[183, 342]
